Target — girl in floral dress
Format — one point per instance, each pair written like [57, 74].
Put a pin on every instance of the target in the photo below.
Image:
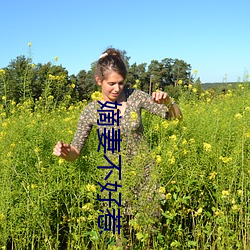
[110, 74]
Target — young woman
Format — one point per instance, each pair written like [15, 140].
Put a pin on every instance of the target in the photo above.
[110, 74]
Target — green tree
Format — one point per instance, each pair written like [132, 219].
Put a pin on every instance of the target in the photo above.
[18, 79]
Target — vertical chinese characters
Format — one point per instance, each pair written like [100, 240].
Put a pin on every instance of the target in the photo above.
[110, 140]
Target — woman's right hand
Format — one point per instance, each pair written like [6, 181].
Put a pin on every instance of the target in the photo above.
[66, 151]
[61, 149]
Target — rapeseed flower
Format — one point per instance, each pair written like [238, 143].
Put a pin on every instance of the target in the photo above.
[133, 116]
[168, 196]
[212, 175]
[158, 159]
[162, 190]
[184, 141]
[2, 72]
[235, 207]
[164, 124]
[156, 127]
[198, 212]
[2, 217]
[29, 44]
[238, 116]
[207, 147]
[96, 96]
[87, 207]
[180, 82]
[91, 188]
[173, 137]
[225, 159]
[239, 192]
[56, 58]
[171, 160]
[225, 193]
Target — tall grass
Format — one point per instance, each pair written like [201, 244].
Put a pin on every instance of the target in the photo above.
[202, 165]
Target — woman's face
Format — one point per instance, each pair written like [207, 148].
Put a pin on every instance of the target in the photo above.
[112, 86]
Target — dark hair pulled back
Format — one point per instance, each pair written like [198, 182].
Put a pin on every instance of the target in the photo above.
[110, 60]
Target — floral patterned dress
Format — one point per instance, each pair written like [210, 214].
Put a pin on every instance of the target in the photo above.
[136, 173]
[130, 124]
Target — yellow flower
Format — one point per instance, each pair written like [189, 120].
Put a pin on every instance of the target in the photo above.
[2, 217]
[239, 192]
[198, 212]
[13, 103]
[168, 196]
[158, 159]
[173, 137]
[73, 85]
[207, 147]
[235, 207]
[61, 161]
[175, 122]
[238, 116]
[29, 44]
[212, 175]
[96, 96]
[247, 108]
[156, 127]
[225, 159]
[37, 149]
[195, 71]
[33, 186]
[4, 124]
[191, 140]
[247, 135]
[225, 193]
[162, 190]
[194, 90]
[218, 212]
[180, 82]
[133, 116]
[190, 86]
[135, 86]
[56, 58]
[164, 124]
[171, 160]
[91, 188]
[50, 97]
[51, 77]
[133, 173]
[87, 207]
[3, 97]
[2, 72]
[137, 81]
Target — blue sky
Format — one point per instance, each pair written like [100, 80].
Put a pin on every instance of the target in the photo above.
[212, 36]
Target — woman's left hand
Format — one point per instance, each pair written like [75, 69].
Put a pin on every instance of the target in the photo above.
[161, 97]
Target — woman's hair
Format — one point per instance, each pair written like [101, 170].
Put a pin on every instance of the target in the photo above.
[110, 60]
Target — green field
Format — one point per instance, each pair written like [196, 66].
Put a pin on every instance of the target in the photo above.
[202, 164]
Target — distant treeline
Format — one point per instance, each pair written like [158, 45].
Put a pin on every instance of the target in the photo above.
[23, 79]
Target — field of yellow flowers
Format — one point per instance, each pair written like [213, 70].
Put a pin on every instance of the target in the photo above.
[202, 165]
